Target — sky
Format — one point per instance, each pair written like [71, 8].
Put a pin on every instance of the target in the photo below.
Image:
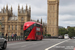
[39, 10]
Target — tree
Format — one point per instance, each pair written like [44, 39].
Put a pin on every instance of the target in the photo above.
[71, 31]
[47, 35]
[62, 31]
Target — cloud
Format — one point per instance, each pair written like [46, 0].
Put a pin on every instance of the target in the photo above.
[66, 2]
[70, 9]
[44, 18]
[67, 18]
[40, 11]
[67, 13]
[67, 23]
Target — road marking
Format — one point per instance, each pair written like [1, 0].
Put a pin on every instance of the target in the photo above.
[23, 46]
[56, 44]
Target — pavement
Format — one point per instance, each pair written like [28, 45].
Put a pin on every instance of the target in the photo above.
[45, 44]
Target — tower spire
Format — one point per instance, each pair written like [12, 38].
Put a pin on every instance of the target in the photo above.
[11, 10]
[29, 11]
[41, 20]
[18, 8]
[22, 9]
[7, 8]
[29, 8]
[3, 9]
[26, 7]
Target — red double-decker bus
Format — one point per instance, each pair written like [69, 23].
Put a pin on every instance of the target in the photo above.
[33, 31]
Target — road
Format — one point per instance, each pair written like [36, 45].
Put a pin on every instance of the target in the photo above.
[45, 44]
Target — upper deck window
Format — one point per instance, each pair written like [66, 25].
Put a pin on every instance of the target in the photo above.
[37, 25]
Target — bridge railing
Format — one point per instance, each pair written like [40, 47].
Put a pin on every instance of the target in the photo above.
[17, 38]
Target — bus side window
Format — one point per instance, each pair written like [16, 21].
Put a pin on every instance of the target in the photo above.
[39, 33]
[37, 25]
[34, 24]
[36, 33]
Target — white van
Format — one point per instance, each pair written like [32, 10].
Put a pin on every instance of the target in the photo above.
[66, 36]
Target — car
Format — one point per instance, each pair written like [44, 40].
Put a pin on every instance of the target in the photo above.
[73, 37]
[3, 43]
[60, 37]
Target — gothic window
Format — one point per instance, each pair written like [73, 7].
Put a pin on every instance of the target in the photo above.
[50, 14]
[2, 26]
[2, 18]
[50, 21]
[21, 27]
[53, 22]
[9, 27]
[53, 7]
[16, 27]
[53, 14]
[12, 27]
[53, 29]
[22, 18]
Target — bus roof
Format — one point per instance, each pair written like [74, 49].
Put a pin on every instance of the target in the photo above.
[32, 22]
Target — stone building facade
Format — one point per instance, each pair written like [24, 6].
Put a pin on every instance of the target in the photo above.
[12, 24]
[52, 17]
[44, 28]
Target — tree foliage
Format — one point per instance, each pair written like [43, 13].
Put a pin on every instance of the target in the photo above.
[62, 31]
[47, 35]
[71, 31]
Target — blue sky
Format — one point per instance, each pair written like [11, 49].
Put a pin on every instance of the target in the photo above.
[39, 10]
